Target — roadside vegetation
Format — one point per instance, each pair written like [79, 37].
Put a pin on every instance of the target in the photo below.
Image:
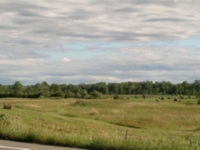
[114, 122]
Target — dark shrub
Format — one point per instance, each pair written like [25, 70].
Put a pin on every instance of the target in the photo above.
[175, 99]
[116, 97]
[198, 102]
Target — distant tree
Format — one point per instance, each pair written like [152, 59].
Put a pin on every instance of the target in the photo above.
[77, 95]
[63, 87]
[148, 87]
[69, 94]
[130, 88]
[156, 88]
[198, 96]
[29, 91]
[56, 90]
[3, 91]
[55, 87]
[138, 89]
[113, 88]
[84, 86]
[73, 88]
[84, 94]
[121, 88]
[100, 87]
[17, 89]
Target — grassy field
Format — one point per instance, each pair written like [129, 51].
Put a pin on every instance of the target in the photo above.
[125, 124]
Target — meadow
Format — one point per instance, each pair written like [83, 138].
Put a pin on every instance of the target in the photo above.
[128, 123]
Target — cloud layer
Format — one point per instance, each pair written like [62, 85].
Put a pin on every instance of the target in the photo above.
[35, 38]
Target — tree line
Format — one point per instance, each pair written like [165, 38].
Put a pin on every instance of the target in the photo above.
[98, 89]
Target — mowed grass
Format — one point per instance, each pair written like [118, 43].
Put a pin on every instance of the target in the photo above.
[128, 123]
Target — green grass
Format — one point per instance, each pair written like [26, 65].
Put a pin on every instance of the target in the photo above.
[123, 124]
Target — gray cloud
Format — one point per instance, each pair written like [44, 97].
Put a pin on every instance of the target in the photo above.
[28, 28]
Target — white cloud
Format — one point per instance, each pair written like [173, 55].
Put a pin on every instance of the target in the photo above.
[66, 59]
[130, 64]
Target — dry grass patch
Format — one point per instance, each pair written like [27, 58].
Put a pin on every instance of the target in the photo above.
[93, 112]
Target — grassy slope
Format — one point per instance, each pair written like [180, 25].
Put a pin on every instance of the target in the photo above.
[105, 124]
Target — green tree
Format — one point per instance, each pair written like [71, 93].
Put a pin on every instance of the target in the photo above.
[100, 87]
[84, 94]
[73, 88]
[3, 91]
[69, 94]
[198, 96]
[42, 89]
[56, 90]
[138, 89]
[113, 88]
[156, 88]
[17, 89]
[29, 91]
[121, 88]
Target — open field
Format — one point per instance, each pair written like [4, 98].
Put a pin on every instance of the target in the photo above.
[127, 123]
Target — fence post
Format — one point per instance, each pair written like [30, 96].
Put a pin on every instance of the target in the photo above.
[126, 135]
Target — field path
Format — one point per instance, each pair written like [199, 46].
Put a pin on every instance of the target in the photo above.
[10, 145]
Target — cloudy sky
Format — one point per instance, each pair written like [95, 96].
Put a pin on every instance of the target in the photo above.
[88, 41]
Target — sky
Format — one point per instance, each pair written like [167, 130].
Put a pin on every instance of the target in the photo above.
[90, 41]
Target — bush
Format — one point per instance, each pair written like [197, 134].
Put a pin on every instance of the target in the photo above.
[58, 94]
[181, 97]
[82, 103]
[116, 97]
[4, 120]
[69, 94]
[84, 94]
[96, 94]
[198, 102]
[175, 99]
[198, 96]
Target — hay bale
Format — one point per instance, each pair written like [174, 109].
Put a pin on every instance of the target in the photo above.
[7, 106]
